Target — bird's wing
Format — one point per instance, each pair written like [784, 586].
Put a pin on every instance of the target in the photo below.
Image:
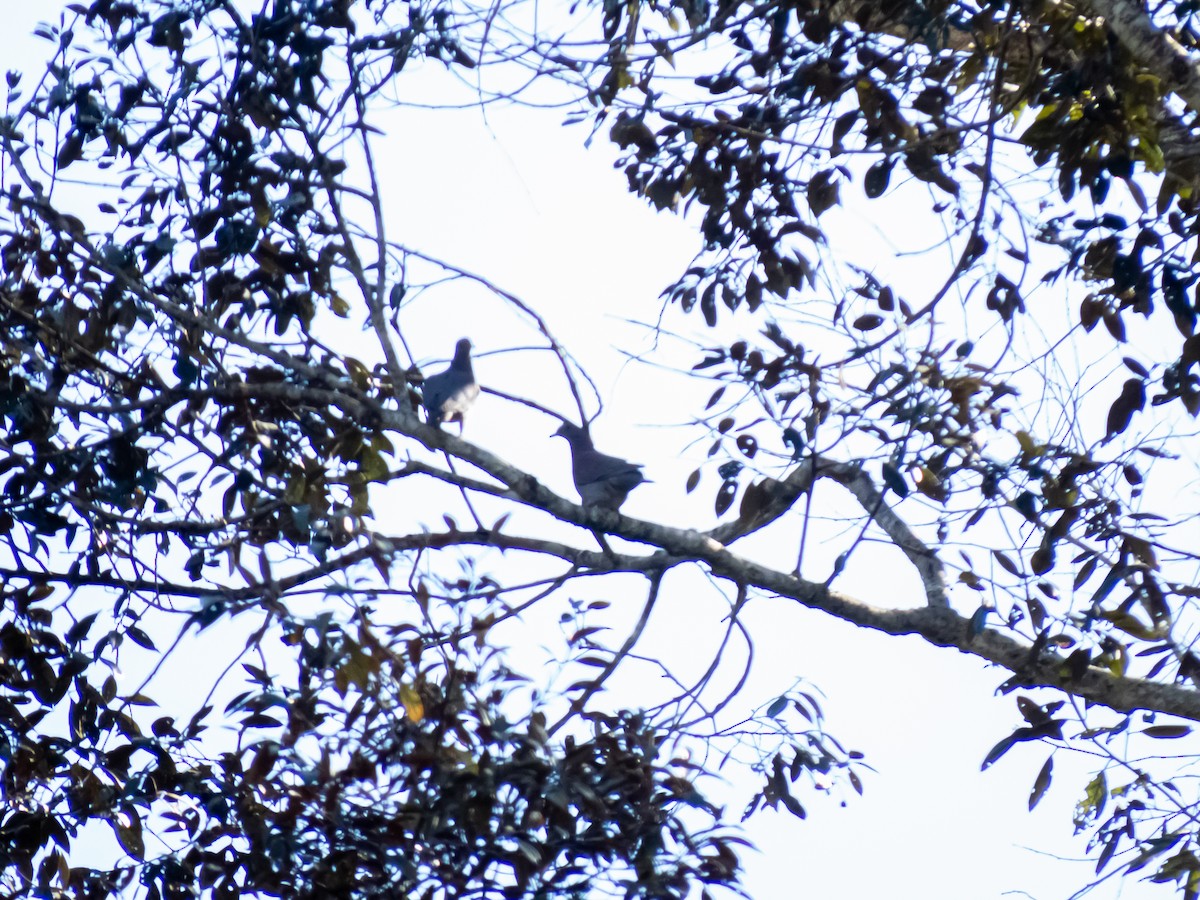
[436, 391]
[456, 389]
[592, 467]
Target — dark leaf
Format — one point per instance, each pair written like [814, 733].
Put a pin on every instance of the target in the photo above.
[868, 322]
[1042, 782]
[1131, 400]
[1006, 563]
[1167, 731]
[875, 182]
[792, 438]
[725, 497]
[895, 480]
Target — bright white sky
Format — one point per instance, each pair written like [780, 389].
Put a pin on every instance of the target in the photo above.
[519, 200]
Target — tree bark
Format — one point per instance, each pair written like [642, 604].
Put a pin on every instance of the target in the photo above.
[1154, 49]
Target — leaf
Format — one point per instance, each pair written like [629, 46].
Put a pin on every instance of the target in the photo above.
[1042, 560]
[708, 305]
[1132, 399]
[692, 481]
[1049, 728]
[725, 496]
[79, 630]
[1167, 731]
[894, 479]
[1128, 623]
[868, 322]
[140, 637]
[411, 698]
[1030, 711]
[1135, 367]
[1095, 796]
[1029, 447]
[856, 783]
[778, 705]
[1042, 782]
[929, 484]
[792, 438]
[793, 805]
[1006, 563]
[1027, 505]
[1115, 324]
[1084, 573]
[978, 620]
[127, 827]
[754, 291]
[875, 182]
[998, 751]
[822, 192]
[1111, 580]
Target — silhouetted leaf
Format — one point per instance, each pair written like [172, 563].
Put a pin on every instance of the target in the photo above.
[1131, 400]
[725, 495]
[876, 180]
[1042, 782]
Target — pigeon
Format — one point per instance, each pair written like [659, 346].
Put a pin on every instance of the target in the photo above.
[601, 480]
[448, 395]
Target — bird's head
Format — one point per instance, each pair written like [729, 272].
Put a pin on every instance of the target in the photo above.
[573, 433]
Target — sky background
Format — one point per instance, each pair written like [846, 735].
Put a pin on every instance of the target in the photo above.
[517, 198]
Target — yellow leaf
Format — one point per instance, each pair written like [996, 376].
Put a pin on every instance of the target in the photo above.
[1151, 154]
[413, 706]
[359, 374]
[1130, 624]
[1029, 446]
[929, 484]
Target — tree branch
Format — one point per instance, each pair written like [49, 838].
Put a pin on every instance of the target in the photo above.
[1153, 48]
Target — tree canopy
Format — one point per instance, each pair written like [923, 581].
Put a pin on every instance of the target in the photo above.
[212, 424]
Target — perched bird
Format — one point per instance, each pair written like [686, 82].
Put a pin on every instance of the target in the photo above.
[448, 395]
[601, 480]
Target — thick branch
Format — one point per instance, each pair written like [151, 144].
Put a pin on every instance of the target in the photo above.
[938, 625]
[924, 558]
[1154, 49]
[673, 546]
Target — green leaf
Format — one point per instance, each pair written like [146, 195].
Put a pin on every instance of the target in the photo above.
[1095, 796]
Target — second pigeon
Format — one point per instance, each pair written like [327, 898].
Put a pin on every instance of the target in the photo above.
[601, 480]
[448, 395]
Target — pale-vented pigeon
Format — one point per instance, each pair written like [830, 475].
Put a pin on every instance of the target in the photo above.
[601, 480]
[448, 395]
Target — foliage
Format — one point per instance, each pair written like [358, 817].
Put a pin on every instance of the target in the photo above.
[189, 446]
